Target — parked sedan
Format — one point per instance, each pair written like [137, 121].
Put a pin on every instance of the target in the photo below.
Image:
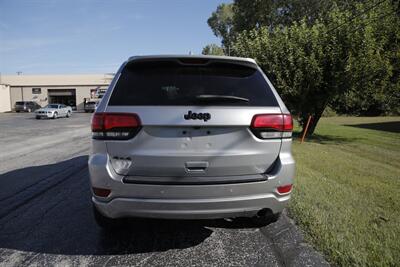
[54, 111]
[27, 106]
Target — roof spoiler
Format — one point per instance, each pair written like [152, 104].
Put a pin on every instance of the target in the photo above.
[195, 60]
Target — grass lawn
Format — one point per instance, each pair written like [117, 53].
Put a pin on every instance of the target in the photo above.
[347, 190]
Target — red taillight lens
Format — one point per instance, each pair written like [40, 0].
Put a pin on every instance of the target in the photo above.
[270, 121]
[112, 121]
[267, 126]
[115, 125]
[287, 123]
[279, 122]
[97, 122]
[284, 189]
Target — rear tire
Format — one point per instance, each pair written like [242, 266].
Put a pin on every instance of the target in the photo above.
[37, 117]
[68, 114]
[17, 111]
[105, 222]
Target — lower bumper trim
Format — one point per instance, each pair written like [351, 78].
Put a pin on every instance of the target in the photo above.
[202, 180]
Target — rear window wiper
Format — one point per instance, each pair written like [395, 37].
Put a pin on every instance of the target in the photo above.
[220, 98]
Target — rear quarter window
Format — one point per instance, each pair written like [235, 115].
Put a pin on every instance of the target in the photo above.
[171, 83]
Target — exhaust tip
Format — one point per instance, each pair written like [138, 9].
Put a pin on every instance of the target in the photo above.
[264, 212]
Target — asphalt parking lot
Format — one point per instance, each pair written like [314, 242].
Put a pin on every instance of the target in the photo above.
[46, 217]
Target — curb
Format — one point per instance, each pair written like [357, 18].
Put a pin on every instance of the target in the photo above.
[289, 244]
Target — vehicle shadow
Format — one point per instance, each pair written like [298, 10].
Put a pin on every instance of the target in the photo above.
[47, 209]
[389, 126]
[324, 139]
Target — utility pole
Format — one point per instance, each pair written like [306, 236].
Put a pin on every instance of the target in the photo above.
[22, 90]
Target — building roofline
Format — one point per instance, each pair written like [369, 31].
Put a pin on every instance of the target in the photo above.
[52, 85]
[69, 80]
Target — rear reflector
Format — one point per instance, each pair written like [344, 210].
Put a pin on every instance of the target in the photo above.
[284, 189]
[120, 126]
[101, 192]
[267, 126]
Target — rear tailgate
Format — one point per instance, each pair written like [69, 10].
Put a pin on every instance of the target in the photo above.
[169, 145]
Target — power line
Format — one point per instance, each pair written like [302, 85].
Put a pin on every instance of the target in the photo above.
[373, 20]
[355, 16]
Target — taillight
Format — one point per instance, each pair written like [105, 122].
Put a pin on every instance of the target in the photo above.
[268, 126]
[119, 126]
[287, 123]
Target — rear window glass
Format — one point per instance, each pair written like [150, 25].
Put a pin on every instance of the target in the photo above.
[20, 103]
[170, 83]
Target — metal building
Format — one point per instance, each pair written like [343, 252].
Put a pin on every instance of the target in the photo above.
[72, 90]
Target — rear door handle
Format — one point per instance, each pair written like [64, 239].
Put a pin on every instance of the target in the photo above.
[196, 166]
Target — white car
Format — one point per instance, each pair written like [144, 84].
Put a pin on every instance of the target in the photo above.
[54, 111]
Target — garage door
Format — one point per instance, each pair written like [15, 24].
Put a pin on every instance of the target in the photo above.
[62, 96]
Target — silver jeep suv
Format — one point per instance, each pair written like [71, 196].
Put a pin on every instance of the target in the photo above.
[190, 137]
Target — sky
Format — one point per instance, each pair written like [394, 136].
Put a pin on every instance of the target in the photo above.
[96, 36]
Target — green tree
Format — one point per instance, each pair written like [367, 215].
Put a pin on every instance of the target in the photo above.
[374, 64]
[221, 22]
[336, 52]
[253, 14]
[311, 65]
[275, 13]
[230, 19]
[213, 49]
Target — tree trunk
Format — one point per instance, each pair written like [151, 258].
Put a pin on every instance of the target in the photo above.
[313, 123]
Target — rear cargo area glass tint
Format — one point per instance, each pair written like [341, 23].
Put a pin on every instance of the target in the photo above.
[171, 83]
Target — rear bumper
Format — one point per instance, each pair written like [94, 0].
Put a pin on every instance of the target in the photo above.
[189, 201]
[223, 207]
